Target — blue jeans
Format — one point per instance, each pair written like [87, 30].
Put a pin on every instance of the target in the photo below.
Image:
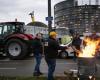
[38, 58]
[51, 68]
[74, 57]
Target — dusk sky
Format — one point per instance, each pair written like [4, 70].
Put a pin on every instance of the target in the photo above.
[20, 9]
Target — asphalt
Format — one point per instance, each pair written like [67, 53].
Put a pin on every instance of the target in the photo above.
[26, 67]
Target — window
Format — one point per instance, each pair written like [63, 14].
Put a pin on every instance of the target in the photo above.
[5, 29]
[97, 16]
[86, 17]
[86, 12]
[0, 29]
[87, 24]
[92, 16]
[86, 21]
[10, 28]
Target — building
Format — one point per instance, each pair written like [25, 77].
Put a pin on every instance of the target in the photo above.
[36, 27]
[62, 12]
[81, 18]
[86, 18]
[61, 31]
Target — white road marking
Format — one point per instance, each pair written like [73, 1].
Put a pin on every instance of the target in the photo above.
[7, 68]
[67, 63]
[15, 60]
[4, 60]
[63, 63]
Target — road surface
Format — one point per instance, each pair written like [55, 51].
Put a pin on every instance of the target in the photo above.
[26, 67]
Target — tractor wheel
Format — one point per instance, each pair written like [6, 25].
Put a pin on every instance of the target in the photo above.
[16, 49]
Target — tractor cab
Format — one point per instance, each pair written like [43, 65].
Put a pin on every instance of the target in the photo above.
[7, 28]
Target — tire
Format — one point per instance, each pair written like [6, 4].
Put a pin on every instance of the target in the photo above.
[63, 54]
[16, 49]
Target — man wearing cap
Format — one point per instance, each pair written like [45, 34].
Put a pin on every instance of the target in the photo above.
[51, 52]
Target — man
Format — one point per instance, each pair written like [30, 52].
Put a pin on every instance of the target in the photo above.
[94, 36]
[38, 50]
[51, 52]
[76, 43]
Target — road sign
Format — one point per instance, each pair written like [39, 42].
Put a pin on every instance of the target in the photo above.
[49, 18]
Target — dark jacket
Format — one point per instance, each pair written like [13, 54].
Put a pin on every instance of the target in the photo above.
[37, 46]
[94, 37]
[76, 42]
[51, 51]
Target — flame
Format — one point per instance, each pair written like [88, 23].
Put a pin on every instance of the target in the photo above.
[90, 49]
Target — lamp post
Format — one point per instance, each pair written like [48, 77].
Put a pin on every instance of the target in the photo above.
[49, 16]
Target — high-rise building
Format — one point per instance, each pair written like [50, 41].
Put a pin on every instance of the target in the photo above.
[81, 18]
[62, 12]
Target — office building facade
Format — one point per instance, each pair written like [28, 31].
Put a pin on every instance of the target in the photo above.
[83, 18]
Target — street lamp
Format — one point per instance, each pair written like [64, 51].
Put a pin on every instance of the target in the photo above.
[49, 18]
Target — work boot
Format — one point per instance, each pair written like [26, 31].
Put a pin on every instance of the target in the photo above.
[40, 73]
[36, 74]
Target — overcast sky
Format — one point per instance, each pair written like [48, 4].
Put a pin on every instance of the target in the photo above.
[20, 9]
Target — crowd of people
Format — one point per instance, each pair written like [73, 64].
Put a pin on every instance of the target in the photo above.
[49, 49]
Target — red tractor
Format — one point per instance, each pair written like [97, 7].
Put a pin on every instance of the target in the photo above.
[13, 41]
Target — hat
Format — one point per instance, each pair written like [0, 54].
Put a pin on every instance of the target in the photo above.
[53, 33]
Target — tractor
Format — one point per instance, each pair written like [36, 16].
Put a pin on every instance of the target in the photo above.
[13, 41]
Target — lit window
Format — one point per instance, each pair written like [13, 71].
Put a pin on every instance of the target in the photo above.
[79, 24]
[86, 17]
[76, 24]
[71, 22]
[92, 16]
[63, 23]
[97, 16]
[87, 24]
[86, 12]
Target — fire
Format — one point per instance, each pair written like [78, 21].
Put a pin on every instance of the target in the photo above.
[90, 49]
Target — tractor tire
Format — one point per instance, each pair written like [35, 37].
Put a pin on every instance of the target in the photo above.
[16, 49]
